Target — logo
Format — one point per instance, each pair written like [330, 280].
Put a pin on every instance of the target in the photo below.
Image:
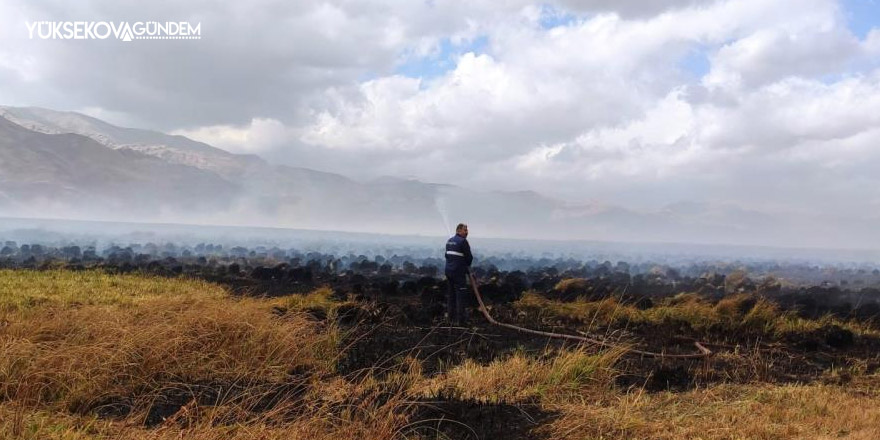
[123, 30]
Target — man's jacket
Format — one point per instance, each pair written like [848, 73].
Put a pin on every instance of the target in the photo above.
[458, 255]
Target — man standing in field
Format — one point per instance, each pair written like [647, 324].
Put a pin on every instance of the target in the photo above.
[458, 263]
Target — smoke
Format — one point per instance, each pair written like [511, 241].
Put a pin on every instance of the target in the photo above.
[440, 203]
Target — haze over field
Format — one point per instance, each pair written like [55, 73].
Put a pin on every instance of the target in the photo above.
[738, 122]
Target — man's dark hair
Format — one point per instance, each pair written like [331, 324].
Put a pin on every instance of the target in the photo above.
[460, 227]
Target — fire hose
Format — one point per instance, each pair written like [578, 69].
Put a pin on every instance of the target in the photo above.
[704, 352]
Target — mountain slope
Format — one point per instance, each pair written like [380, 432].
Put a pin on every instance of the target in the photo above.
[69, 171]
[70, 165]
[170, 148]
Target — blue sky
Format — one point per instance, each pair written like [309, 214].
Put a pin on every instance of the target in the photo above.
[861, 15]
[441, 60]
[552, 17]
[444, 58]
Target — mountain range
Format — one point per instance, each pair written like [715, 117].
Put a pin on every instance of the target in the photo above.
[56, 164]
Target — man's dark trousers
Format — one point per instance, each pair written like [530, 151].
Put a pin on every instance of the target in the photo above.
[457, 296]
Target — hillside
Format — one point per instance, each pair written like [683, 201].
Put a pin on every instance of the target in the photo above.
[68, 165]
[41, 173]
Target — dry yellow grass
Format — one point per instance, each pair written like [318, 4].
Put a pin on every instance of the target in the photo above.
[22, 290]
[572, 285]
[727, 412]
[520, 378]
[743, 314]
[365, 419]
[71, 340]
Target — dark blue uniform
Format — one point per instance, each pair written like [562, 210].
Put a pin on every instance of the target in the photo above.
[458, 262]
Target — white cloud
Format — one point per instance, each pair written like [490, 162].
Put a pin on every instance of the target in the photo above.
[600, 106]
[259, 136]
[605, 97]
[872, 42]
[773, 54]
